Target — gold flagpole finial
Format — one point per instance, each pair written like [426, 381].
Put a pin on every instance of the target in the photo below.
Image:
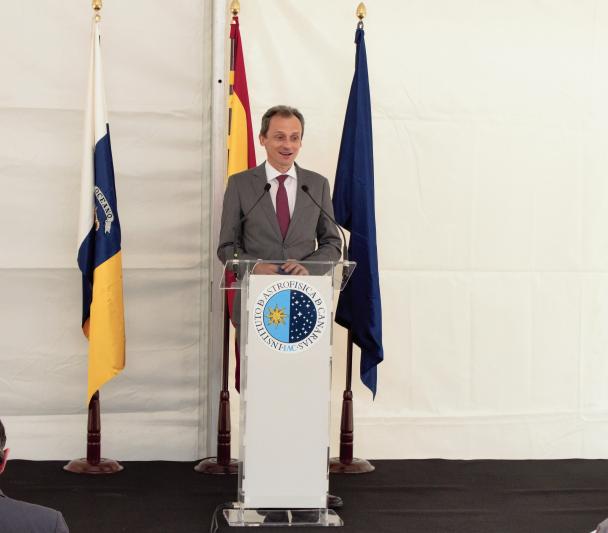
[97, 5]
[361, 11]
[235, 7]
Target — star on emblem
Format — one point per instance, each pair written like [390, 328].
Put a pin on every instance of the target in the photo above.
[276, 316]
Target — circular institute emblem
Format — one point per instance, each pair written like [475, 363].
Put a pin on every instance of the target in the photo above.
[289, 316]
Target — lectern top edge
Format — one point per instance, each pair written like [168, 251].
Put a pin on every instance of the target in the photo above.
[237, 269]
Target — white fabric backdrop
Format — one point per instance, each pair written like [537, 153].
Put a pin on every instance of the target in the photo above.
[490, 133]
[155, 57]
[490, 149]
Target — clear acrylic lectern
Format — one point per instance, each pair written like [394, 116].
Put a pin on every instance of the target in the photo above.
[285, 340]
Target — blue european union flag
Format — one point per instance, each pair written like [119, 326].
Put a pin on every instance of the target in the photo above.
[359, 306]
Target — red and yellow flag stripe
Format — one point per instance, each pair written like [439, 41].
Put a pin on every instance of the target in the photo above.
[241, 151]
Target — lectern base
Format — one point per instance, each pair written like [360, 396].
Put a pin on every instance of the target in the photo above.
[238, 517]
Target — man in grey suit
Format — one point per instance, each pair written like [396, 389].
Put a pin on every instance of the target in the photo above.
[22, 517]
[293, 231]
[286, 225]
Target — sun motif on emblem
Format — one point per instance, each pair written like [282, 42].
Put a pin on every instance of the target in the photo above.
[276, 316]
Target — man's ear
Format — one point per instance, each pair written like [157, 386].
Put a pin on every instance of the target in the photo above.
[262, 139]
[3, 463]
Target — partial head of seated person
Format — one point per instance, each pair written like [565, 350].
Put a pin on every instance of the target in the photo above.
[23, 517]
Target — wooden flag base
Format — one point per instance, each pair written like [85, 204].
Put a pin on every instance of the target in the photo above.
[346, 463]
[82, 466]
[211, 466]
[93, 463]
[223, 463]
[357, 466]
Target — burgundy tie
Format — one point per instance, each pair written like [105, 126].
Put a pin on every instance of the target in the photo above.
[282, 206]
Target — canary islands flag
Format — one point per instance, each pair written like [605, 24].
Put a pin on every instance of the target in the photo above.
[99, 256]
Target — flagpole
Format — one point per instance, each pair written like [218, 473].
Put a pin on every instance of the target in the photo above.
[223, 463]
[94, 463]
[346, 463]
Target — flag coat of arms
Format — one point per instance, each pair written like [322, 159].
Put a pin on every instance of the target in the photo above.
[99, 251]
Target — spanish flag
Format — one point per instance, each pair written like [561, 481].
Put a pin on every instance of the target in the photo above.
[241, 151]
[99, 256]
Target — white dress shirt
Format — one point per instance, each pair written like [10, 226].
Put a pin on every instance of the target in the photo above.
[291, 185]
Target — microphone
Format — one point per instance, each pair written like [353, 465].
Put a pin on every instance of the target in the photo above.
[237, 227]
[344, 246]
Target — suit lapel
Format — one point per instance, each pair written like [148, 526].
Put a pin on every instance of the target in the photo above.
[258, 184]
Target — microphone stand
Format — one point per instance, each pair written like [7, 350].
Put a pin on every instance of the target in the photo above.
[237, 230]
[344, 246]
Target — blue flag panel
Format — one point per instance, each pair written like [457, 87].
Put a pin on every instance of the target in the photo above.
[103, 241]
[359, 305]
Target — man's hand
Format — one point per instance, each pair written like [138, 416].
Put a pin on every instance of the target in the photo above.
[294, 269]
[291, 267]
[265, 268]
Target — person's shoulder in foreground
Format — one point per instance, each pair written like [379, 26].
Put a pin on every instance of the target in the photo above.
[602, 527]
[22, 517]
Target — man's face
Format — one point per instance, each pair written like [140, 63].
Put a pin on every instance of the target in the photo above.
[282, 141]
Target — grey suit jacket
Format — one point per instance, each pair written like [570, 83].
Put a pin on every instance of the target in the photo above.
[311, 236]
[22, 517]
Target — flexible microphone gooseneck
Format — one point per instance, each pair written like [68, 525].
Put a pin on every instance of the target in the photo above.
[344, 246]
[236, 231]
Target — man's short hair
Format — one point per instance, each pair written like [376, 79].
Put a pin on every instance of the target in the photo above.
[282, 111]
[2, 441]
